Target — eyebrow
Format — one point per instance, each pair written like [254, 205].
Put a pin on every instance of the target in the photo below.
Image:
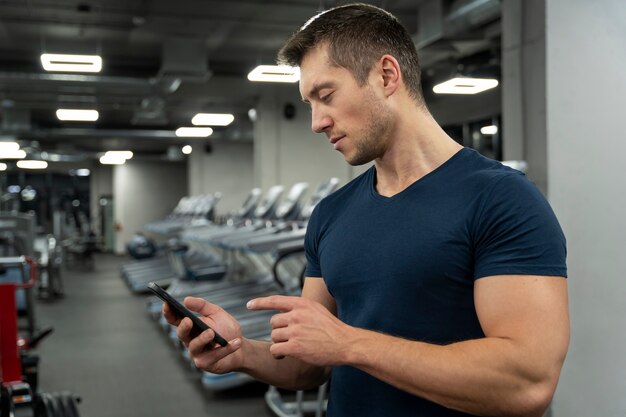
[318, 87]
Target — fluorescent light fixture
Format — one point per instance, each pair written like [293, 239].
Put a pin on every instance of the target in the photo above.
[19, 154]
[3, 166]
[461, 85]
[71, 63]
[32, 164]
[212, 119]
[9, 146]
[83, 172]
[489, 130]
[119, 154]
[75, 115]
[194, 132]
[112, 160]
[187, 149]
[275, 74]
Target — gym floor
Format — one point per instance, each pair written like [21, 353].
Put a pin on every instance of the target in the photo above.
[106, 349]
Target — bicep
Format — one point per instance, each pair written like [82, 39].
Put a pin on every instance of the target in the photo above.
[529, 310]
[315, 289]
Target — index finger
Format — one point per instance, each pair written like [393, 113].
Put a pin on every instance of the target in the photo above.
[274, 302]
[171, 318]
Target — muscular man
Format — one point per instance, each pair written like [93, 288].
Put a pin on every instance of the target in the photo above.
[435, 280]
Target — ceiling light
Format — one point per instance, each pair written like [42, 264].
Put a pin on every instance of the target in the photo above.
[75, 115]
[275, 73]
[112, 160]
[119, 154]
[32, 164]
[9, 146]
[187, 149]
[55, 157]
[461, 85]
[3, 166]
[489, 130]
[212, 119]
[194, 132]
[83, 172]
[71, 63]
[19, 154]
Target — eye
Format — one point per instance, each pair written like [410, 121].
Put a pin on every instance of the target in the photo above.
[326, 98]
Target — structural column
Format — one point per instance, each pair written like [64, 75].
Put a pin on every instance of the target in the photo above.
[524, 86]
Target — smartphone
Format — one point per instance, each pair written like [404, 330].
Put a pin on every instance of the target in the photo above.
[181, 311]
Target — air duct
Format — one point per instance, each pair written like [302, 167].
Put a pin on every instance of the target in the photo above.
[184, 59]
[436, 23]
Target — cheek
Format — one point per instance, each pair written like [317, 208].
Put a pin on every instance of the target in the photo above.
[350, 111]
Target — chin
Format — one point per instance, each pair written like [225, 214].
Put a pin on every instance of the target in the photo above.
[358, 162]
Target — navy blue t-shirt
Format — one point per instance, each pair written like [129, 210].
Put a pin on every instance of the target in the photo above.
[405, 265]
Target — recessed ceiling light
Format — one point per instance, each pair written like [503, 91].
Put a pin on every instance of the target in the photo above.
[212, 119]
[83, 172]
[187, 149]
[112, 160]
[194, 132]
[119, 154]
[75, 115]
[3, 166]
[461, 85]
[275, 74]
[19, 154]
[9, 146]
[32, 164]
[489, 130]
[71, 63]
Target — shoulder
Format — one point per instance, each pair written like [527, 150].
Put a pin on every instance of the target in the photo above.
[491, 181]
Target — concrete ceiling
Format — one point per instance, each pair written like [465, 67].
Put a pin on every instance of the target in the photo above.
[210, 45]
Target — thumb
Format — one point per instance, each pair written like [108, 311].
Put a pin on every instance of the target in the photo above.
[220, 352]
[201, 306]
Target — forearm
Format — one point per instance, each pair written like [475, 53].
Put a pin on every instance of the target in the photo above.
[288, 373]
[489, 376]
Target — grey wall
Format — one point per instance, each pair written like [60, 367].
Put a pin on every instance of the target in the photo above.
[145, 192]
[287, 151]
[228, 169]
[586, 57]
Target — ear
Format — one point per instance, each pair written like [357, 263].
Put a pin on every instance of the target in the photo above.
[392, 76]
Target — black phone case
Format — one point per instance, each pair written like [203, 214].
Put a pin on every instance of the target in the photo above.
[181, 311]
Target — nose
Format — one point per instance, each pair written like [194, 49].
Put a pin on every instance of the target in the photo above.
[320, 120]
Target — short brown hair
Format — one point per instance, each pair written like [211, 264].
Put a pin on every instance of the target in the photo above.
[357, 35]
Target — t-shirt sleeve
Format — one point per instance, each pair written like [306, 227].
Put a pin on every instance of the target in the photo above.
[311, 245]
[517, 233]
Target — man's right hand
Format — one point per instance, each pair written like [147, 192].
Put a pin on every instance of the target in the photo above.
[206, 355]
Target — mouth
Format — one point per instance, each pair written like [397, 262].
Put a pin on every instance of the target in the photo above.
[335, 139]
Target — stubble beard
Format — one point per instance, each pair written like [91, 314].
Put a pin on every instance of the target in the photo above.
[372, 140]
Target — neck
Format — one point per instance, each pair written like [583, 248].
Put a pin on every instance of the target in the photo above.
[416, 147]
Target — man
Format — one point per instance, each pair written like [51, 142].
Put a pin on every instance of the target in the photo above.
[435, 281]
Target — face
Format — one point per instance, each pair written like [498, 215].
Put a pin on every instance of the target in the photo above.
[355, 118]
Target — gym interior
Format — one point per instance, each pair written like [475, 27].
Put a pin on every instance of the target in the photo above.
[161, 155]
